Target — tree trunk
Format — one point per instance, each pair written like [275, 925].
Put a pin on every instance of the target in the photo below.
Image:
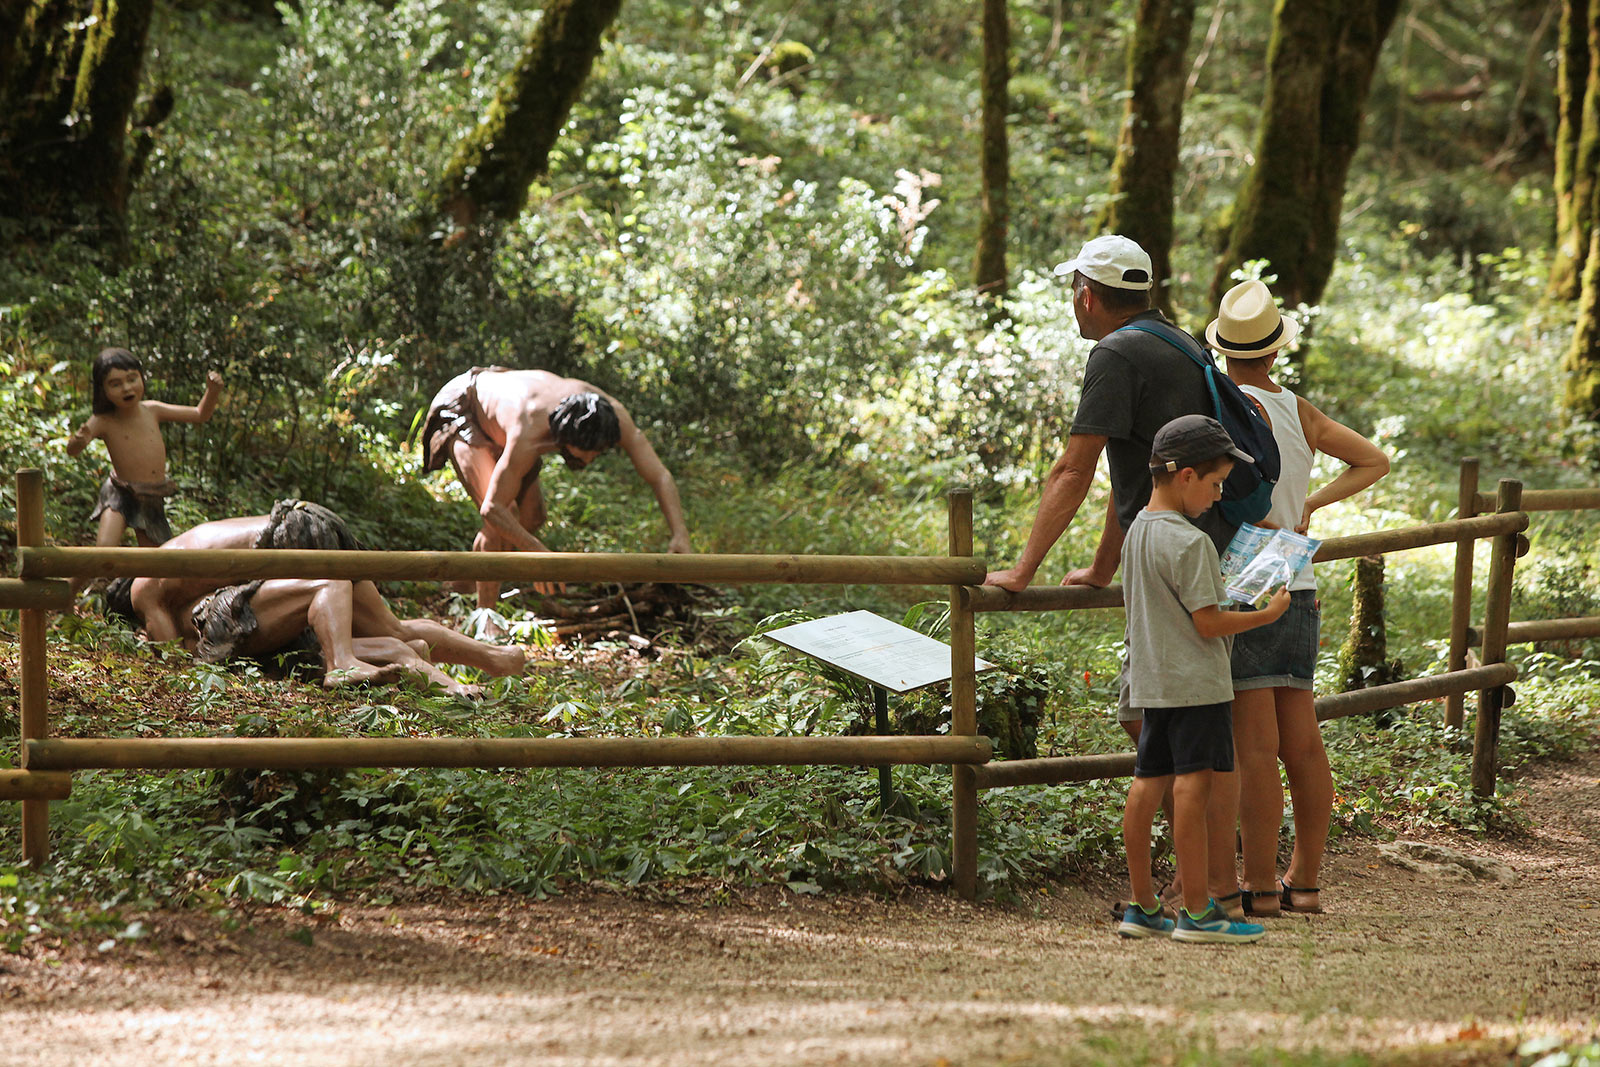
[1364, 657]
[1147, 147]
[1319, 68]
[70, 81]
[1577, 143]
[1527, 130]
[489, 176]
[1582, 362]
[990, 266]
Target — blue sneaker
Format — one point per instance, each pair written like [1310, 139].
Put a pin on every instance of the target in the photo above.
[1214, 926]
[1136, 922]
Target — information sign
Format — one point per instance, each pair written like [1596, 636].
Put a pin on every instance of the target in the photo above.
[872, 648]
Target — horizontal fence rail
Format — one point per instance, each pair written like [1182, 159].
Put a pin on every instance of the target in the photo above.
[1040, 598]
[43, 594]
[1077, 597]
[1059, 770]
[1521, 633]
[35, 785]
[1433, 533]
[1546, 500]
[325, 753]
[1410, 691]
[248, 564]
[1055, 770]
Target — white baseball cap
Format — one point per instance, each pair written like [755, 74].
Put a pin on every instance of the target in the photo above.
[1112, 260]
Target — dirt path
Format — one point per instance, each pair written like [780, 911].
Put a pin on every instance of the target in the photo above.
[1402, 958]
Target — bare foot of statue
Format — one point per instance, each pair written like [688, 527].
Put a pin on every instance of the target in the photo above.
[508, 660]
[357, 672]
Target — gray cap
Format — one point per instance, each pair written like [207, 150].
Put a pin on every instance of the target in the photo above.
[1191, 439]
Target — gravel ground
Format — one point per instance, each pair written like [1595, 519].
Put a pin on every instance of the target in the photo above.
[1403, 958]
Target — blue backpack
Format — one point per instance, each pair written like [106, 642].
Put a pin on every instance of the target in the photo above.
[1247, 494]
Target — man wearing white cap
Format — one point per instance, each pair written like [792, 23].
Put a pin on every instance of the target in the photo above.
[1133, 384]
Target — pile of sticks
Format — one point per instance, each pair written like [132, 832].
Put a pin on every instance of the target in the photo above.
[641, 610]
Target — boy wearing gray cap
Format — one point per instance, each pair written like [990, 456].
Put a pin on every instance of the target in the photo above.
[1179, 673]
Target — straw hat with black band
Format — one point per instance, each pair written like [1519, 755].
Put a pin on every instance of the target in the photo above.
[1248, 324]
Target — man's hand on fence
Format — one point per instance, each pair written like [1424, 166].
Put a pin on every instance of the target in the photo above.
[1087, 576]
[1015, 579]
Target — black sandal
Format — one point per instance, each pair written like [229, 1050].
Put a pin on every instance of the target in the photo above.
[1249, 901]
[1237, 894]
[1286, 898]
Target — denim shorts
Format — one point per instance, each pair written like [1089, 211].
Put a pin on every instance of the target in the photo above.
[1282, 654]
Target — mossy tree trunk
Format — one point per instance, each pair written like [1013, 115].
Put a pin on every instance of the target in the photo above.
[1576, 269]
[989, 269]
[1577, 143]
[1147, 147]
[1582, 362]
[1364, 657]
[1319, 69]
[68, 84]
[488, 177]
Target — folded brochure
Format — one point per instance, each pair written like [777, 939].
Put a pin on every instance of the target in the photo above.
[1259, 561]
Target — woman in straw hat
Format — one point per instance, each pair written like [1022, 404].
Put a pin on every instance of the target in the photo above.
[1273, 666]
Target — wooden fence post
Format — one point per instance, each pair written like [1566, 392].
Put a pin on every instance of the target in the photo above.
[1461, 593]
[35, 714]
[963, 710]
[1496, 617]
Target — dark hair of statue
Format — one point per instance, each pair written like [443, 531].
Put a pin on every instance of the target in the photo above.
[586, 421]
[108, 360]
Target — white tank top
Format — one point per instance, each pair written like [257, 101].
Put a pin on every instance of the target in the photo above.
[1294, 477]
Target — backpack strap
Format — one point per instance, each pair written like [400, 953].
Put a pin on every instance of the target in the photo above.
[1188, 346]
[1171, 334]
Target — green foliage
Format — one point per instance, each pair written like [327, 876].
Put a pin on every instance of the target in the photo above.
[769, 280]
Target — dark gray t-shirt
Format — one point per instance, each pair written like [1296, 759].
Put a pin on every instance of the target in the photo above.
[1133, 385]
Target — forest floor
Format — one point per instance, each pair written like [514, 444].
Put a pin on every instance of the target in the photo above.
[1444, 958]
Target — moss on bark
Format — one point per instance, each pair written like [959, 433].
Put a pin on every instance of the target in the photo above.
[65, 103]
[1577, 143]
[1319, 69]
[510, 147]
[1147, 147]
[1364, 657]
[989, 267]
[1582, 362]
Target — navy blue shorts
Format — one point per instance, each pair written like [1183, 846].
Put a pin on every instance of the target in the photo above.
[1281, 654]
[1185, 740]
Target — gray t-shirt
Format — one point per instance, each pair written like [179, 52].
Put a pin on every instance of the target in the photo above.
[1169, 570]
[1134, 384]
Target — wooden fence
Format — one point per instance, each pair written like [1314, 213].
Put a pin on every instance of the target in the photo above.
[1490, 679]
[46, 764]
[1463, 635]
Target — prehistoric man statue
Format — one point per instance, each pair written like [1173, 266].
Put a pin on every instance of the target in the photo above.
[495, 426]
[359, 637]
